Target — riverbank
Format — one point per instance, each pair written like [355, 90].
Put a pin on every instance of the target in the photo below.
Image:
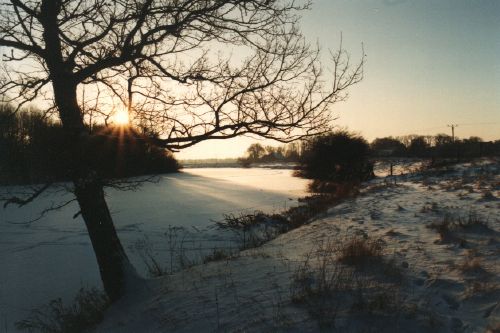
[430, 263]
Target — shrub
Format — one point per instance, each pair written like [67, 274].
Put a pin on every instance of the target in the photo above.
[339, 157]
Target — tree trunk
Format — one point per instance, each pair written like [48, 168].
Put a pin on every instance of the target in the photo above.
[114, 265]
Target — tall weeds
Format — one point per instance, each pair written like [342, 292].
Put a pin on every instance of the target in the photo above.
[84, 314]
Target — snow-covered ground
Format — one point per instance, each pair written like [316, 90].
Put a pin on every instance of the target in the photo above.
[53, 257]
[423, 283]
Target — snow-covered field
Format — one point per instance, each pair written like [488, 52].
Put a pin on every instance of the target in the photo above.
[53, 257]
[423, 282]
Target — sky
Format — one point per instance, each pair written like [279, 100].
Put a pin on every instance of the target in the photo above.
[430, 63]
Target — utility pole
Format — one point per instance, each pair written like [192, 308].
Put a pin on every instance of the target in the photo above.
[453, 139]
[453, 131]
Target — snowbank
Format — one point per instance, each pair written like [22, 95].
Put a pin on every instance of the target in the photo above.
[424, 282]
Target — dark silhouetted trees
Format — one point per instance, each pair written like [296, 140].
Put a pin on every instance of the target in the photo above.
[388, 146]
[440, 146]
[33, 150]
[338, 157]
[256, 153]
[418, 147]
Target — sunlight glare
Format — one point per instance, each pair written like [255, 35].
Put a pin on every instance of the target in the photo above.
[121, 118]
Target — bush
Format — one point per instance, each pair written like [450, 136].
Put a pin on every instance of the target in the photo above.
[339, 157]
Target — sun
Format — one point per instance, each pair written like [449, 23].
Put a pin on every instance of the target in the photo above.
[121, 118]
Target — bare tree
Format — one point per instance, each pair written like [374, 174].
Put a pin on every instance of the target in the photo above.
[187, 70]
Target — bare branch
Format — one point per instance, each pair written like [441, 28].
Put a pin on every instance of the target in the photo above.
[44, 212]
[20, 202]
[172, 65]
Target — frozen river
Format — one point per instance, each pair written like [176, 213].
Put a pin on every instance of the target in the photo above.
[53, 257]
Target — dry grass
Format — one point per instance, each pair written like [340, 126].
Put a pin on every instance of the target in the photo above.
[328, 285]
[444, 227]
[254, 229]
[450, 224]
[375, 298]
[257, 228]
[84, 314]
[357, 250]
[218, 255]
[319, 284]
[338, 189]
[472, 220]
[144, 248]
[320, 273]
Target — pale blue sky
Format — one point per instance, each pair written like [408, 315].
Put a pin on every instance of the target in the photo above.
[429, 64]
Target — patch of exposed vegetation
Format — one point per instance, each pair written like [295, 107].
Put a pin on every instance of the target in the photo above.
[84, 314]
[218, 254]
[255, 229]
[329, 288]
[145, 250]
[356, 250]
[450, 224]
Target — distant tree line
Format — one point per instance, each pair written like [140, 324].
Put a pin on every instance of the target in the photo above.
[436, 146]
[419, 146]
[32, 150]
[257, 153]
[345, 157]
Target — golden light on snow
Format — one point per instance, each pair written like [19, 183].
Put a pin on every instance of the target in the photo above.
[121, 117]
